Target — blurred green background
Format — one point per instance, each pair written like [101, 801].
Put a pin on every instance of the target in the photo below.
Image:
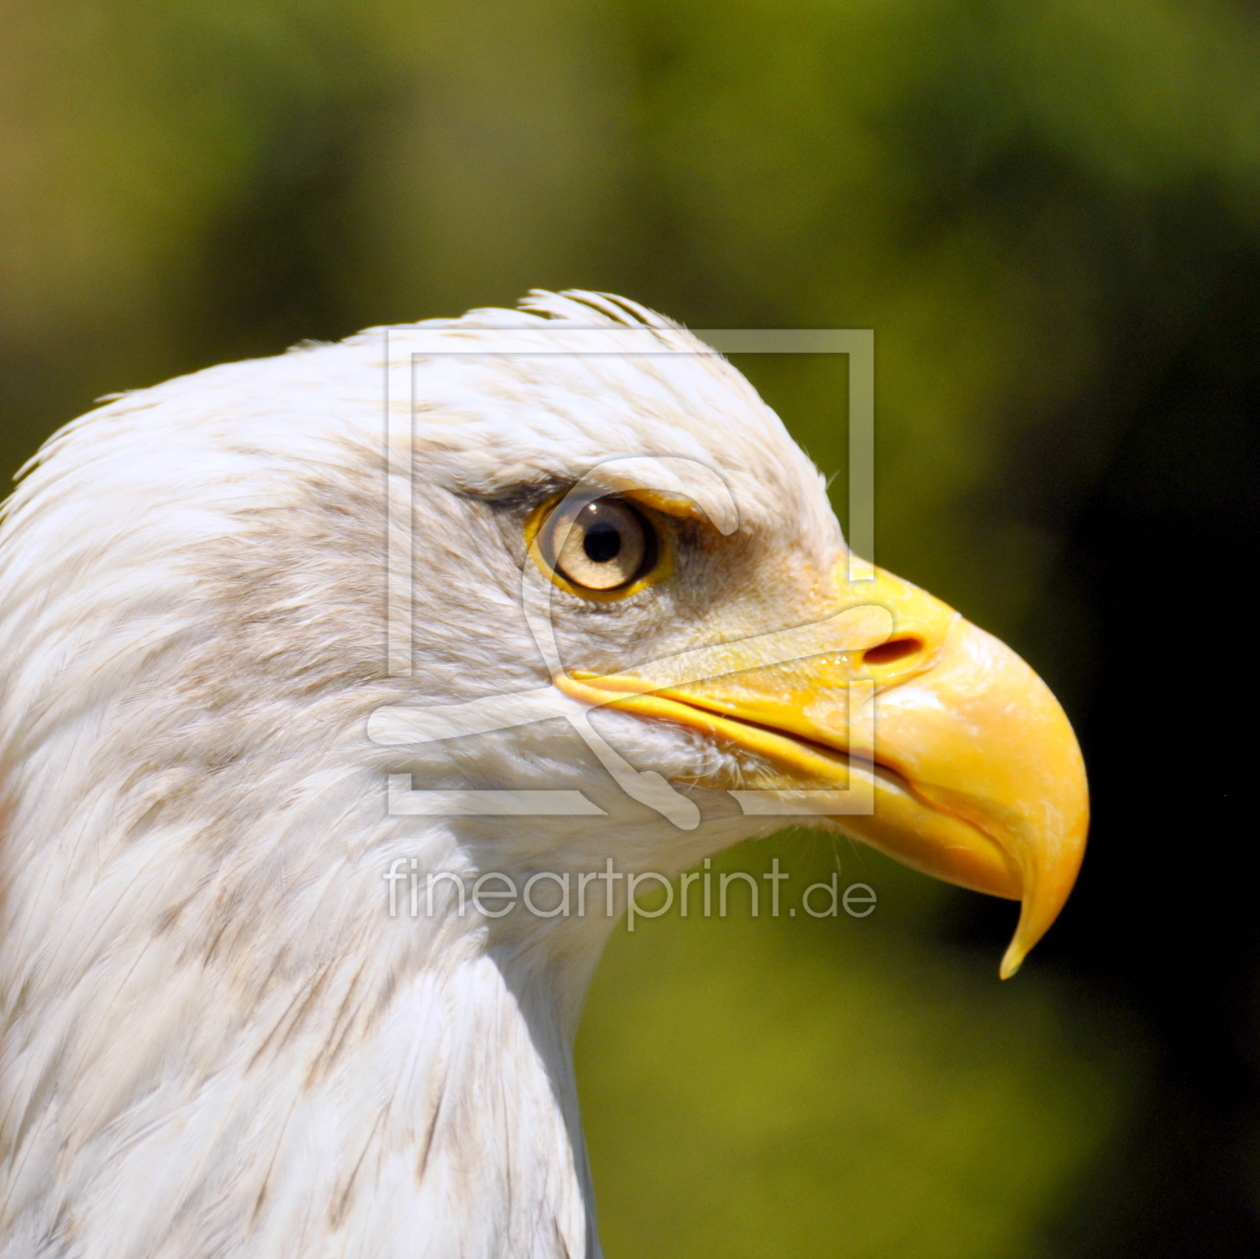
[1049, 212]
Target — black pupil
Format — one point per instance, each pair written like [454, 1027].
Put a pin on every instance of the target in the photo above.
[601, 543]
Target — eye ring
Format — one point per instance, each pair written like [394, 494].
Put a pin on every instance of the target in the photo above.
[601, 548]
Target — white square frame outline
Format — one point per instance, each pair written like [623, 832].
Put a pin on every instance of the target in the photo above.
[399, 425]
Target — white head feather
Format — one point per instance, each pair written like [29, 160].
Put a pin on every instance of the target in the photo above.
[216, 1039]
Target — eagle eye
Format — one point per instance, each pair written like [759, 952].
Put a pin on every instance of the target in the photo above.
[601, 545]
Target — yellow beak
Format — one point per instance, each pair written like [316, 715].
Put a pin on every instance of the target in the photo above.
[977, 777]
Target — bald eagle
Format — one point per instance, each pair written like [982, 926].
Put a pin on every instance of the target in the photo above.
[250, 1006]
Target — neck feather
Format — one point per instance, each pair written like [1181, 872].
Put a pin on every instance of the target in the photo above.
[271, 1064]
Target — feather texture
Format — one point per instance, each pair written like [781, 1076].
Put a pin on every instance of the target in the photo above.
[217, 1041]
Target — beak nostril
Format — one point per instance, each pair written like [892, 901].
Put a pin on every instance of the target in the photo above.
[893, 650]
